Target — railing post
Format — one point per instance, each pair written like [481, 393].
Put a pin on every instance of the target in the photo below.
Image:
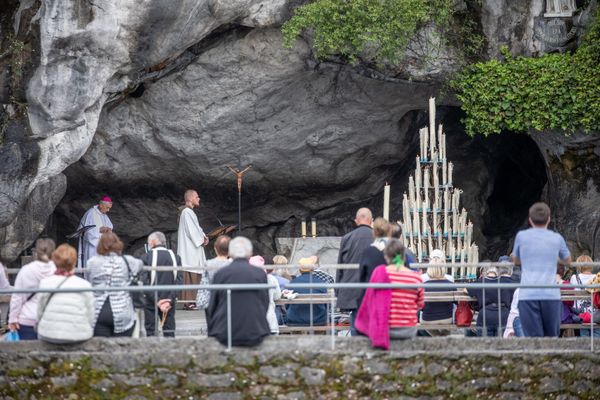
[592, 321]
[332, 310]
[228, 319]
[483, 309]
[155, 333]
[499, 333]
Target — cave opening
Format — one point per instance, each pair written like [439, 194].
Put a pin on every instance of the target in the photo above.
[520, 178]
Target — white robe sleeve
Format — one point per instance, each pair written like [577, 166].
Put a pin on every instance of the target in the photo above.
[93, 235]
[192, 228]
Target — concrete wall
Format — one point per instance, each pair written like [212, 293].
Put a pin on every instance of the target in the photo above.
[301, 368]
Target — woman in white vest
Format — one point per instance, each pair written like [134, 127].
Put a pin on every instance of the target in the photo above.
[65, 317]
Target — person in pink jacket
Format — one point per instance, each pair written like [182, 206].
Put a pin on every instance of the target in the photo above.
[23, 306]
[391, 313]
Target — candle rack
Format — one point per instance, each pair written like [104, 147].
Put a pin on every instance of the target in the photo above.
[432, 213]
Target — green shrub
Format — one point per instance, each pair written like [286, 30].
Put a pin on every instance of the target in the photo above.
[555, 91]
[349, 27]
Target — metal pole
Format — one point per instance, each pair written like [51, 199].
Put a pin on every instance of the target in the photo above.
[499, 333]
[228, 319]
[592, 321]
[240, 211]
[155, 333]
[483, 310]
[311, 305]
[332, 321]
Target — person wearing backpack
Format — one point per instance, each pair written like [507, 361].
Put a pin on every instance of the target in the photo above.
[161, 303]
[23, 306]
[65, 317]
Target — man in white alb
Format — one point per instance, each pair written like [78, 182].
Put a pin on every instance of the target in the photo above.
[97, 216]
[191, 240]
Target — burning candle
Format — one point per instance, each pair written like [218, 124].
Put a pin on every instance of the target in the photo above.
[303, 229]
[386, 201]
[313, 227]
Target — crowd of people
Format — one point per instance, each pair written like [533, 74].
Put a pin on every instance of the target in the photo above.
[247, 316]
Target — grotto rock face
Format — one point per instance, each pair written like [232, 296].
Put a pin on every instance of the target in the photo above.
[144, 102]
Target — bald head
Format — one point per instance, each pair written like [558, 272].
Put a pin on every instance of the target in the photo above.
[364, 217]
[191, 198]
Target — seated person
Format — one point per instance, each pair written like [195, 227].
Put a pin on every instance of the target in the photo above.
[299, 314]
[437, 312]
[494, 305]
[248, 307]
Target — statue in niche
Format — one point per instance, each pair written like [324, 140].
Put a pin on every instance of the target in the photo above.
[560, 8]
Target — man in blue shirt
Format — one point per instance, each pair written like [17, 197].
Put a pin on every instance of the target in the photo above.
[538, 250]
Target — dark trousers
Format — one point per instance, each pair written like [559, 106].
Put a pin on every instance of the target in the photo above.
[150, 321]
[540, 317]
[105, 325]
[27, 332]
[353, 331]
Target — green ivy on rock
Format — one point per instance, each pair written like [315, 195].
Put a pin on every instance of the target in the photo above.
[347, 28]
[555, 91]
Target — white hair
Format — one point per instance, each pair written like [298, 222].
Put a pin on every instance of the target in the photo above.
[240, 247]
[159, 237]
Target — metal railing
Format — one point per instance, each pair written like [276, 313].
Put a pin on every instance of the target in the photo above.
[336, 286]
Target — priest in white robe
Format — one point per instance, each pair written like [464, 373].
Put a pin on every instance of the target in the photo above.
[96, 216]
[191, 240]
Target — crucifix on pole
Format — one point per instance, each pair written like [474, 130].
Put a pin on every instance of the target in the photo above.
[240, 176]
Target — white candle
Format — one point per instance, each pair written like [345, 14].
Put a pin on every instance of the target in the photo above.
[473, 270]
[432, 123]
[416, 220]
[386, 201]
[424, 218]
[436, 186]
[426, 182]
[445, 220]
[443, 147]
[452, 254]
[418, 175]
[444, 172]
[303, 228]
[426, 143]
[411, 191]
[439, 146]
[313, 227]
[450, 168]
[463, 221]
[454, 221]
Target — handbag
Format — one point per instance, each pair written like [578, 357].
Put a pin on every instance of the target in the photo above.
[464, 314]
[136, 297]
[203, 295]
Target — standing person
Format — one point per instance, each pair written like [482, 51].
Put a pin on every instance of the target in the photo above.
[372, 256]
[537, 250]
[211, 267]
[65, 317]
[191, 240]
[23, 306]
[161, 303]
[97, 216]
[391, 313]
[351, 248]
[248, 307]
[114, 312]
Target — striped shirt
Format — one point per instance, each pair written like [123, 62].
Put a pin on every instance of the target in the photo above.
[406, 303]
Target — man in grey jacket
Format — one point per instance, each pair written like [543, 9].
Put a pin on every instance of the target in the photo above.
[351, 248]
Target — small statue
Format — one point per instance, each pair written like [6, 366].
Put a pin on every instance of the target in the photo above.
[239, 175]
[560, 8]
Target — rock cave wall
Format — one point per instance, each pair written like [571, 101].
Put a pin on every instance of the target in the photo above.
[142, 103]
